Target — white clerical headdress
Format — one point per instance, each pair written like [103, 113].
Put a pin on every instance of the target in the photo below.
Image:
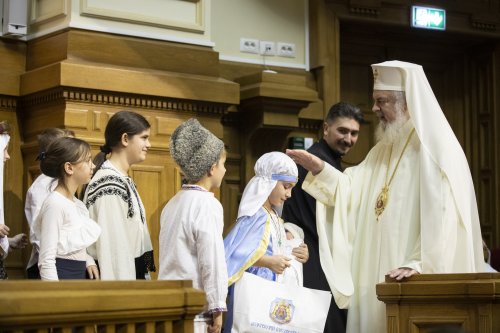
[388, 78]
[269, 168]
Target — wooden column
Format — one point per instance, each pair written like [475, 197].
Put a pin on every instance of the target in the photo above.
[269, 109]
[325, 52]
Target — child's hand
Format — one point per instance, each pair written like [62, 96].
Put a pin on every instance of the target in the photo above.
[4, 230]
[19, 241]
[216, 324]
[278, 263]
[301, 253]
[93, 272]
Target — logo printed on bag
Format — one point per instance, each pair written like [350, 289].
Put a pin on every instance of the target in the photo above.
[281, 310]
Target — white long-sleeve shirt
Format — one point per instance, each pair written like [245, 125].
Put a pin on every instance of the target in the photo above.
[63, 229]
[36, 195]
[191, 245]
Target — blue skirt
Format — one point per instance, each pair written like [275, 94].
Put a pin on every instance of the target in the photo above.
[68, 269]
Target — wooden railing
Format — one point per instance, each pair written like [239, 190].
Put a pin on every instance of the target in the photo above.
[99, 306]
[431, 301]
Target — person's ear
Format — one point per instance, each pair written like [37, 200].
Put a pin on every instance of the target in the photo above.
[212, 169]
[325, 128]
[68, 168]
[125, 139]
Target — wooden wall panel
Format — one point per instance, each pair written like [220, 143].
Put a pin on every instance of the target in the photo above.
[484, 147]
[428, 302]
[158, 178]
[13, 191]
[151, 183]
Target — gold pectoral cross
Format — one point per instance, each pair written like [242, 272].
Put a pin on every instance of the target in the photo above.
[384, 194]
[381, 201]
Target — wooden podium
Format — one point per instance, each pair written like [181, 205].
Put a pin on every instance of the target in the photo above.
[427, 301]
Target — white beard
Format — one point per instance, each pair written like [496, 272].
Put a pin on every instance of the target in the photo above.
[389, 132]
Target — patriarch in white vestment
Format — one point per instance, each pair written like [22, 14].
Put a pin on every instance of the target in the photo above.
[408, 208]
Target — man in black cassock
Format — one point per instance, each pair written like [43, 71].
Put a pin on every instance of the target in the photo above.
[340, 133]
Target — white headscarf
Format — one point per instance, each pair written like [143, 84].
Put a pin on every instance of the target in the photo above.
[440, 148]
[269, 168]
[4, 141]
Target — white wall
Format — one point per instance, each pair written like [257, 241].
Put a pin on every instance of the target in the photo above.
[174, 20]
[214, 23]
[263, 20]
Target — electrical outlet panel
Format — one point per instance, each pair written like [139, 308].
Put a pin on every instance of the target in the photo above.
[286, 50]
[267, 48]
[249, 45]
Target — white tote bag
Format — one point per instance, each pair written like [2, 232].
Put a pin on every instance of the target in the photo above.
[261, 305]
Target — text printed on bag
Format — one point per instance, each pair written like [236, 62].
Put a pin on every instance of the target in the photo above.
[272, 328]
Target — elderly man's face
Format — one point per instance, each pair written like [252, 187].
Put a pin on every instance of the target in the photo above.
[386, 106]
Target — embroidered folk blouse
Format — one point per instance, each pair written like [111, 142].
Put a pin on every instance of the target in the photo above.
[114, 203]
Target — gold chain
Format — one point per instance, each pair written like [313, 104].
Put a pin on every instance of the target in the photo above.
[383, 197]
[275, 225]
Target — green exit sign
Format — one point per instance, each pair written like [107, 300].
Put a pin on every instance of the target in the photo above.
[428, 18]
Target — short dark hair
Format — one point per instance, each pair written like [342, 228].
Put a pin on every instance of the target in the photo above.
[345, 110]
[50, 135]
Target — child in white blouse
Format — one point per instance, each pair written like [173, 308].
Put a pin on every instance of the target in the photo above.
[191, 246]
[39, 191]
[63, 225]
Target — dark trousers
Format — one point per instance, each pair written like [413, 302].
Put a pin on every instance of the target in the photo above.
[68, 269]
[33, 272]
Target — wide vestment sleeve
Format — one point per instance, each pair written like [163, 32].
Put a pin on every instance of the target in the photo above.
[113, 250]
[331, 189]
[246, 243]
[445, 234]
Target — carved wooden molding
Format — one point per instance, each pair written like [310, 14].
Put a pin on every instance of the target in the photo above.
[123, 100]
[364, 11]
[310, 124]
[484, 25]
[485, 317]
[8, 102]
